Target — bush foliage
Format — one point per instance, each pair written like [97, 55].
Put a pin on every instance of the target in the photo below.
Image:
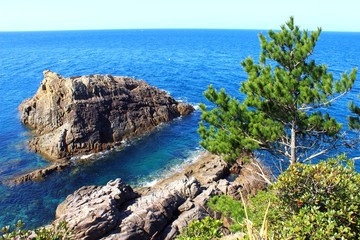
[54, 232]
[228, 207]
[320, 201]
[308, 201]
[205, 229]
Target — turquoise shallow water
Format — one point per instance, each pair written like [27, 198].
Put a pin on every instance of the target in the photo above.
[182, 62]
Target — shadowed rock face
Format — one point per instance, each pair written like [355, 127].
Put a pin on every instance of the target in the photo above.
[86, 114]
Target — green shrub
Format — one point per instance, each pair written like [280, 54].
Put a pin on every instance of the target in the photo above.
[234, 209]
[244, 221]
[320, 201]
[205, 229]
[228, 207]
[308, 201]
[258, 205]
[58, 232]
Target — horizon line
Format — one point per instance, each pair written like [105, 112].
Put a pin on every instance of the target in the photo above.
[144, 29]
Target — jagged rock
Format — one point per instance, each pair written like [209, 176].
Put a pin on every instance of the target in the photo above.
[211, 168]
[81, 115]
[159, 212]
[92, 211]
[150, 214]
[230, 188]
[195, 213]
[195, 209]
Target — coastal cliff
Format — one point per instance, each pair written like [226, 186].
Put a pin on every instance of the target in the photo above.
[86, 114]
[116, 211]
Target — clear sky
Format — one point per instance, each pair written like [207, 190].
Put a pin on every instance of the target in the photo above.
[29, 15]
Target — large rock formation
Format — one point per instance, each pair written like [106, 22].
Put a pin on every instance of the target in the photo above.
[159, 212]
[93, 211]
[81, 115]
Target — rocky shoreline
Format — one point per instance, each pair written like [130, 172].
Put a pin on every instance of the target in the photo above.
[116, 211]
[83, 115]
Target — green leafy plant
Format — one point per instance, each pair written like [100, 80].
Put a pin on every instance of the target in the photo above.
[319, 201]
[228, 207]
[252, 233]
[205, 229]
[16, 232]
[258, 205]
[54, 232]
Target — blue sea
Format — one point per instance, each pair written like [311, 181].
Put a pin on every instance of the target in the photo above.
[182, 62]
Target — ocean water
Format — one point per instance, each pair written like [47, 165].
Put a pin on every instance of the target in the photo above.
[182, 62]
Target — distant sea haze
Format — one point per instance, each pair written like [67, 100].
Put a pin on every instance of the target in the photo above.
[181, 62]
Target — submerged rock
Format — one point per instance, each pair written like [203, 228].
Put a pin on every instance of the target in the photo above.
[86, 114]
[39, 174]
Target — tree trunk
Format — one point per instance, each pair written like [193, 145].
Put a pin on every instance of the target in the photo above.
[293, 144]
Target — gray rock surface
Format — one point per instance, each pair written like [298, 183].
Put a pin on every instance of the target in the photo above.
[150, 214]
[93, 211]
[86, 114]
[158, 212]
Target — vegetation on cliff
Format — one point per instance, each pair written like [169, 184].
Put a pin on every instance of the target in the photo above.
[308, 201]
[59, 231]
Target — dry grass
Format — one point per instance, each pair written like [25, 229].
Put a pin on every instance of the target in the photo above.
[251, 232]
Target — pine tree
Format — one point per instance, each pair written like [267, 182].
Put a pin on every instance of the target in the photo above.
[285, 97]
[354, 119]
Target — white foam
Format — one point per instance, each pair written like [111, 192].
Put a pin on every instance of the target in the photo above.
[177, 168]
[87, 156]
[166, 92]
[150, 183]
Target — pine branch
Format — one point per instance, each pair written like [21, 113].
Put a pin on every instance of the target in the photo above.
[322, 104]
[317, 154]
[261, 173]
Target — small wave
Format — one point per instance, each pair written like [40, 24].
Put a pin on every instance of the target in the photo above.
[150, 183]
[75, 160]
[166, 91]
[87, 156]
[196, 107]
[171, 170]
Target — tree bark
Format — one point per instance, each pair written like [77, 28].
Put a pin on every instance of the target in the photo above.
[293, 144]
